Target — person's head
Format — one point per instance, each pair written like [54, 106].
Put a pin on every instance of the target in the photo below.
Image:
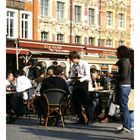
[58, 70]
[74, 56]
[42, 64]
[54, 63]
[20, 73]
[95, 74]
[42, 72]
[9, 76]
[122, 52]
[50, 72]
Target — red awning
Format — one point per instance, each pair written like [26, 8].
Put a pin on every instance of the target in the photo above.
[13, 51]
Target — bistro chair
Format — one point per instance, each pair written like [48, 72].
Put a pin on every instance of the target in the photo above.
[29, 102]
[55, 103]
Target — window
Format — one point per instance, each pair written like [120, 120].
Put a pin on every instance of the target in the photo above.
[44, 36]
[44, 7]
[77, 11]
[101, 42]
[91, 16]
[60, 37]
[108, 43]
[91, 41]
[60, 10]
[25, 25]
[77, 39]
[109, 18]
[121, 20]
[10, 24]
[121, 42]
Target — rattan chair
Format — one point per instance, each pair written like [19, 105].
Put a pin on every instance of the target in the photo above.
[29, 102]
[55, 102]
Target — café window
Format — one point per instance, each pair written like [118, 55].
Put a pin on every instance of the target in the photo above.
[44, 36]
[60, 37]
[121, 20]
[44, 7]
[77, 13]
[121, 42]
[109, 18]
[60, 10]
[91, 41]
[77, 39]
[91, 16]
[10, 24]
[108, 43]
[26, 25]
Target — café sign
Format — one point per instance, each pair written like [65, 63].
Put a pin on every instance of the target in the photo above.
[53, 48]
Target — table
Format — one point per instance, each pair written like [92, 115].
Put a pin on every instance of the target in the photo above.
[104, 95]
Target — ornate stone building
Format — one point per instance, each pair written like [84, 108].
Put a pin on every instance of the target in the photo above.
[95, 28]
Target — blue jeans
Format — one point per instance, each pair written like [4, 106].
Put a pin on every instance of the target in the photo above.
[124, 92]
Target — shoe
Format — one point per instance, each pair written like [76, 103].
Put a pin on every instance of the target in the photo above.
[123, 130]
[102, 115]
[119, 127]
[105, 120]
[90, 122]
[132, 128]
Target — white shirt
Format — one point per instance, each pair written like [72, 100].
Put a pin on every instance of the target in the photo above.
[83, 69]
[22, 84]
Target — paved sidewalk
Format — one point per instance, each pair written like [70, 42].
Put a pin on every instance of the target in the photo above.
[25, 129]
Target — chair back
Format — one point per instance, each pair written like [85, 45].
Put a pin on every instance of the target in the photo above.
[54, 96]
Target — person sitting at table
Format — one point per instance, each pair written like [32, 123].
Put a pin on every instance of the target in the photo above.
[10, 82]
[55, 81]
[99, 82]
[22, 84]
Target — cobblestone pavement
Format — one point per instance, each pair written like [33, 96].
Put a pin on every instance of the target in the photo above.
[25, 129]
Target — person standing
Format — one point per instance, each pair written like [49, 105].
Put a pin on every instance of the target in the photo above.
[79, 78]
[123, 77]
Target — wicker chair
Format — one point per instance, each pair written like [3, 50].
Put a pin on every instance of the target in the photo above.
[29, 102]
[55, 102]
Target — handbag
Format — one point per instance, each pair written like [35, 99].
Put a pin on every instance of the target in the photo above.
[114, 108]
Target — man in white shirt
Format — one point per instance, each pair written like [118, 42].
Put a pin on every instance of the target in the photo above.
[79, 79]
[23, 83]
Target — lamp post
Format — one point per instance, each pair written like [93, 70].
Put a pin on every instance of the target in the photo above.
[17, 63]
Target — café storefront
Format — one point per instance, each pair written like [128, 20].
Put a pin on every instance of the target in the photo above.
[20, 51]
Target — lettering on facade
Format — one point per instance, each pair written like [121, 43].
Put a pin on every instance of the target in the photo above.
[53, 48]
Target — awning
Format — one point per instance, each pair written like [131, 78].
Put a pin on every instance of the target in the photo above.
[13, 51]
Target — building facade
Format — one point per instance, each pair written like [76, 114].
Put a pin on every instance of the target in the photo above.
[95, 28]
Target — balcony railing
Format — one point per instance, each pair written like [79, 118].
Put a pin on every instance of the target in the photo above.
[15, 4]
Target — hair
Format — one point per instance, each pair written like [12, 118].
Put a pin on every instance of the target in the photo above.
[20, 73]
[93, 70]
[74, 55]
[58, 70]
[55, 63]
[123, 51]
[41, 71]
